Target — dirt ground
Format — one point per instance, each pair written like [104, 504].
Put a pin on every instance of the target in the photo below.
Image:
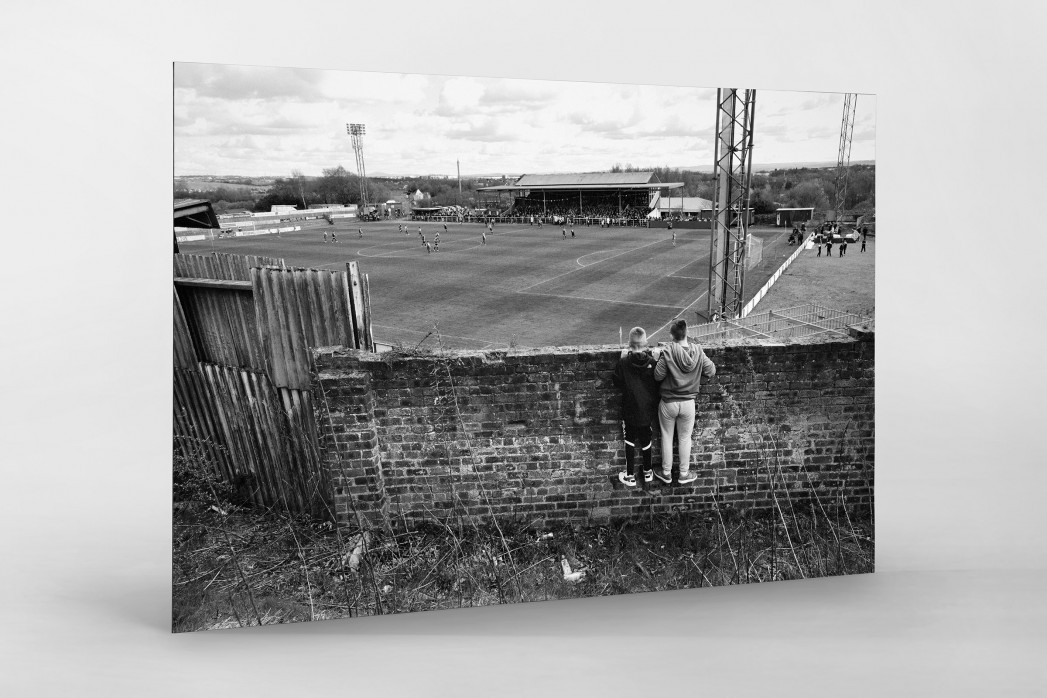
[845, 283]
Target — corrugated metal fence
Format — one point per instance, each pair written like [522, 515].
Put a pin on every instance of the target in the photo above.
[244, 328]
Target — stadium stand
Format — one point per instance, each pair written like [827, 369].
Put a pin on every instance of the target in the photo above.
[615, 197]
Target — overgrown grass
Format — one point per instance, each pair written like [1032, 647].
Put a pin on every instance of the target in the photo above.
[237, 566]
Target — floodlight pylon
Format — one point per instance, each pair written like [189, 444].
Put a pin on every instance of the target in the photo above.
[843, 159]
[732, 168]
[356, 133]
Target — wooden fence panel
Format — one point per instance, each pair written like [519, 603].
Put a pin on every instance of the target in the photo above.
[198, 433]
[195, 266]
[356, 296]
[368, 334]
[221, 265]
[298, 309]
[223, 326]
[243, 364]
[262, 440]
[184, 353]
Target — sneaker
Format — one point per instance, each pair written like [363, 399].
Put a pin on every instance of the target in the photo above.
[627, 480]
[687, 478]
[648, 475]
[667, 479]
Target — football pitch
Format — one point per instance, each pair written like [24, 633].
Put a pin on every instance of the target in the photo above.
[526, 287]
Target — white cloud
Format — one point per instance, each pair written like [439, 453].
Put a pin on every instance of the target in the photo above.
[244, 120]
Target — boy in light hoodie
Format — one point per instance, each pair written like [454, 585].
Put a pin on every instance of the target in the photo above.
[680, 369]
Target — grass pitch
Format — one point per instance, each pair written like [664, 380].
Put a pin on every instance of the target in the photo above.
[525, 287]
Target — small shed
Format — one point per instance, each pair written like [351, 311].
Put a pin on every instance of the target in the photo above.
[681, 207]
[790, 216]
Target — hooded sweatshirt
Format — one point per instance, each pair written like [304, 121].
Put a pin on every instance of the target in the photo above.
[680, 369]
[634, 375]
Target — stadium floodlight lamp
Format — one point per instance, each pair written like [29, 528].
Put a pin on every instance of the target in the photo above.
[356, 129]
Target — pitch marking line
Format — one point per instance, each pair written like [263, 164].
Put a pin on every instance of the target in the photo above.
[598, 300]
[473, 247]
[579, 260]
[699, 298]
[633, 249]
[684, 310]
[485, 342]
[672, 274]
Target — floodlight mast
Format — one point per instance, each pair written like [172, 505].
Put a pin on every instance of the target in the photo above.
[356, 133]
[843, 160]
[732, 168]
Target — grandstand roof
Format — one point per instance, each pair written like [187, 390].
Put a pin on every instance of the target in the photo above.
[600, 178]
[586, 180]
[194, 213]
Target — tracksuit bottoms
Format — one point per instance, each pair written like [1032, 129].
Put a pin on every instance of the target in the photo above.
[678, 415]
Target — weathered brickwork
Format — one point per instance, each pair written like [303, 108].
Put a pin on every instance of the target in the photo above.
[350, 448]
[536, 434]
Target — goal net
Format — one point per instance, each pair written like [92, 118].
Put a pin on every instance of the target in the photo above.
[753, 251]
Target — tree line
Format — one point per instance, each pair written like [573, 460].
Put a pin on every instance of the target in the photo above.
[779, 188]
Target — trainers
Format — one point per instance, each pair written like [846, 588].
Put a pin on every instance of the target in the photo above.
[627, 480]
[687, 478]
[667, 479]
[648, 475]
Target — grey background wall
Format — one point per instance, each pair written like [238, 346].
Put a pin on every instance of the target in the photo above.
[957, 606]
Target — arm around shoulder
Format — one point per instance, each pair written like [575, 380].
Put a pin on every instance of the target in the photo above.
[660, 368]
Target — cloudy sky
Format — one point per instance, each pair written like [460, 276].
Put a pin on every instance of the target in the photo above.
[241, 120]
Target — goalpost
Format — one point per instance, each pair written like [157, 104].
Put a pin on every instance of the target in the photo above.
[753, 251]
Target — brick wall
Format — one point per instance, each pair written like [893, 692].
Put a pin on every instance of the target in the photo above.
[536, 434]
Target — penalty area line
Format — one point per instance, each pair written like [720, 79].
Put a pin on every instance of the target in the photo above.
[682, 311]
[607, 259]
[597, 300]
[578, 261]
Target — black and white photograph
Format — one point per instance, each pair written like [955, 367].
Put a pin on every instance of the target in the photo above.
[447, 341]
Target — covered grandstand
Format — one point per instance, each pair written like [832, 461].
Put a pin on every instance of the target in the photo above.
[618, 196]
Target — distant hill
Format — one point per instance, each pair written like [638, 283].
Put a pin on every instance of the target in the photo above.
[203, 182]
[757, 167]
[767, 167]
[251, 185]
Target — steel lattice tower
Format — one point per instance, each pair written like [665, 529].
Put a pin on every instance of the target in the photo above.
[843, 161]
[356, 133]
[735, 111]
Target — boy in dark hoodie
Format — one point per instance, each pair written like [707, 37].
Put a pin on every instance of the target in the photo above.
[634, 375]
[680, 369]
